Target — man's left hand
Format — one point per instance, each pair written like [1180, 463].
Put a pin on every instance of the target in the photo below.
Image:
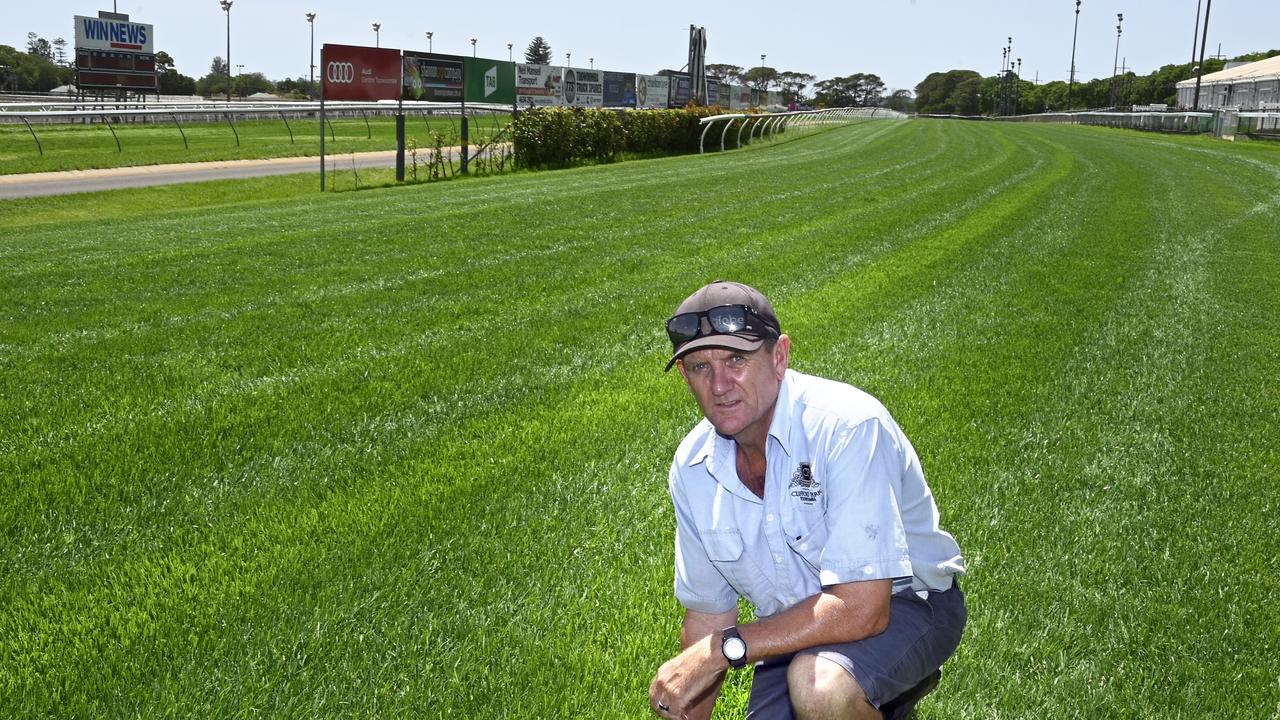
[684, 680]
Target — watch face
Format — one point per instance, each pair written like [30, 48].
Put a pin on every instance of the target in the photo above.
[735, 648]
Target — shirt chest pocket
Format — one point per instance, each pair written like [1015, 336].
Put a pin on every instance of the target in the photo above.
[727, 552]
[807, 535]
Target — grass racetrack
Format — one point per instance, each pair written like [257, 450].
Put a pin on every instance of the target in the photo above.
[79, 147]
[403, 453]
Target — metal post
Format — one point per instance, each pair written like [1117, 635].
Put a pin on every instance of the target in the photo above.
[286, 127]
[227, 115]
[107, 120]
[465, 148]
[322, 119]
[184, 134]
[1204, 39]
[400, 145]
[35, 137]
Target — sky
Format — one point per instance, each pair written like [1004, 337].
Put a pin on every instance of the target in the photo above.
[902, 41]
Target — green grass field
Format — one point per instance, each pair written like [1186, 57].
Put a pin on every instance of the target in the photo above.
[79, 147]
[402, 453]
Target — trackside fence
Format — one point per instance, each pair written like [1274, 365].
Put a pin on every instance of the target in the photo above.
[1225, 123]
[230, 113]
[759, 126]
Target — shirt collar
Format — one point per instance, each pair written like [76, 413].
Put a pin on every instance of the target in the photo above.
[780, 426]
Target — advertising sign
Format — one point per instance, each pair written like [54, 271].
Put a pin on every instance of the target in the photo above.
[583, 88]
[490, 81]
[681, 90]
[102, 34]
[352, 72]
[652, 91]
[740, 97]
[537, 85]
[713, 92]
[433, 78]
[619, 89]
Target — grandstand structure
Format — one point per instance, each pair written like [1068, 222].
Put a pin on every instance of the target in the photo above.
[1250, 86]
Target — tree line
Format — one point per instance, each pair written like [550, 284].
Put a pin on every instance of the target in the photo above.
[45, 65]
[966, 92]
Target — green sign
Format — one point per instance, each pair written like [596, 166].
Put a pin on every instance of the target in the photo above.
[490, 81]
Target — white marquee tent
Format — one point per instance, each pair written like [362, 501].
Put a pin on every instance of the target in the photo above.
[1251, 86]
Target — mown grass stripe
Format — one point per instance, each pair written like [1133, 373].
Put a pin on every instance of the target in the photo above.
[326, 500]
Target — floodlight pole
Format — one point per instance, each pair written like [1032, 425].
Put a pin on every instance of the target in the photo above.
[1074, 33]
[377, 35]
[1115, 66]
[1195, 34]
[473, 48]
[311, 20]
[1008, 81]
[509, 52]
[429, 36]
[226, 7]
[1204, 40]
[1017, 91]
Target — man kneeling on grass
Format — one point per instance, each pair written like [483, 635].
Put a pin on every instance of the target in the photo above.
[803, 496]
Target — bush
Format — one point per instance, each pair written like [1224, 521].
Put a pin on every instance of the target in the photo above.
[561, 137]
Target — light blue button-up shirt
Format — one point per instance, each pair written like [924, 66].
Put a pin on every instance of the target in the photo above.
[844, 500]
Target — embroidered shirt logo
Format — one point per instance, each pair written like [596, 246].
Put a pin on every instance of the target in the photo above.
[804, 486]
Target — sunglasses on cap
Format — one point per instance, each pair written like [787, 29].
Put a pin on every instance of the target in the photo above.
[724, 320]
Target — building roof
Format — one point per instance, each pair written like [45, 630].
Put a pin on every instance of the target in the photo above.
[1268, 69]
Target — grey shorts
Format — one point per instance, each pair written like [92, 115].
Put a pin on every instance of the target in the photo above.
[922, 634]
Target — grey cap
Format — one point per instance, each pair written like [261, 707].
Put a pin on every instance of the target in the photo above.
[716, 294]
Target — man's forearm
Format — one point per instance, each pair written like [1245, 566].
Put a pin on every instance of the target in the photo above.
[696, 628]
[842, 613]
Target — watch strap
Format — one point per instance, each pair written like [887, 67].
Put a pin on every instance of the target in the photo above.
[731, 633]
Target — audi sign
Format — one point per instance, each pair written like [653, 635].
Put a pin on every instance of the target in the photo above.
[359, 73]
[340, 72]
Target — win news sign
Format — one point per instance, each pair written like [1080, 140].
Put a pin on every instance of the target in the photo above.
[105, 34]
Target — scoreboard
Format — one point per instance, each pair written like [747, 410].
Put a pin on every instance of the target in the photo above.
[113, 53]
[116, 70]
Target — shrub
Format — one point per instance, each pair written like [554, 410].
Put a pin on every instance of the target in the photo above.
[561, 137]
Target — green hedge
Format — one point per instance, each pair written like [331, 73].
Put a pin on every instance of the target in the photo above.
[561, 137]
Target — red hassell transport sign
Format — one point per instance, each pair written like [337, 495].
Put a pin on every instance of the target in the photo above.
[351, 72]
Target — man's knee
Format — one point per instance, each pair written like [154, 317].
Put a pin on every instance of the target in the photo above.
[821, 688]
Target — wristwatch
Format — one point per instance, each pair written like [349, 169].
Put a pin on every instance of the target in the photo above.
[733, 647]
